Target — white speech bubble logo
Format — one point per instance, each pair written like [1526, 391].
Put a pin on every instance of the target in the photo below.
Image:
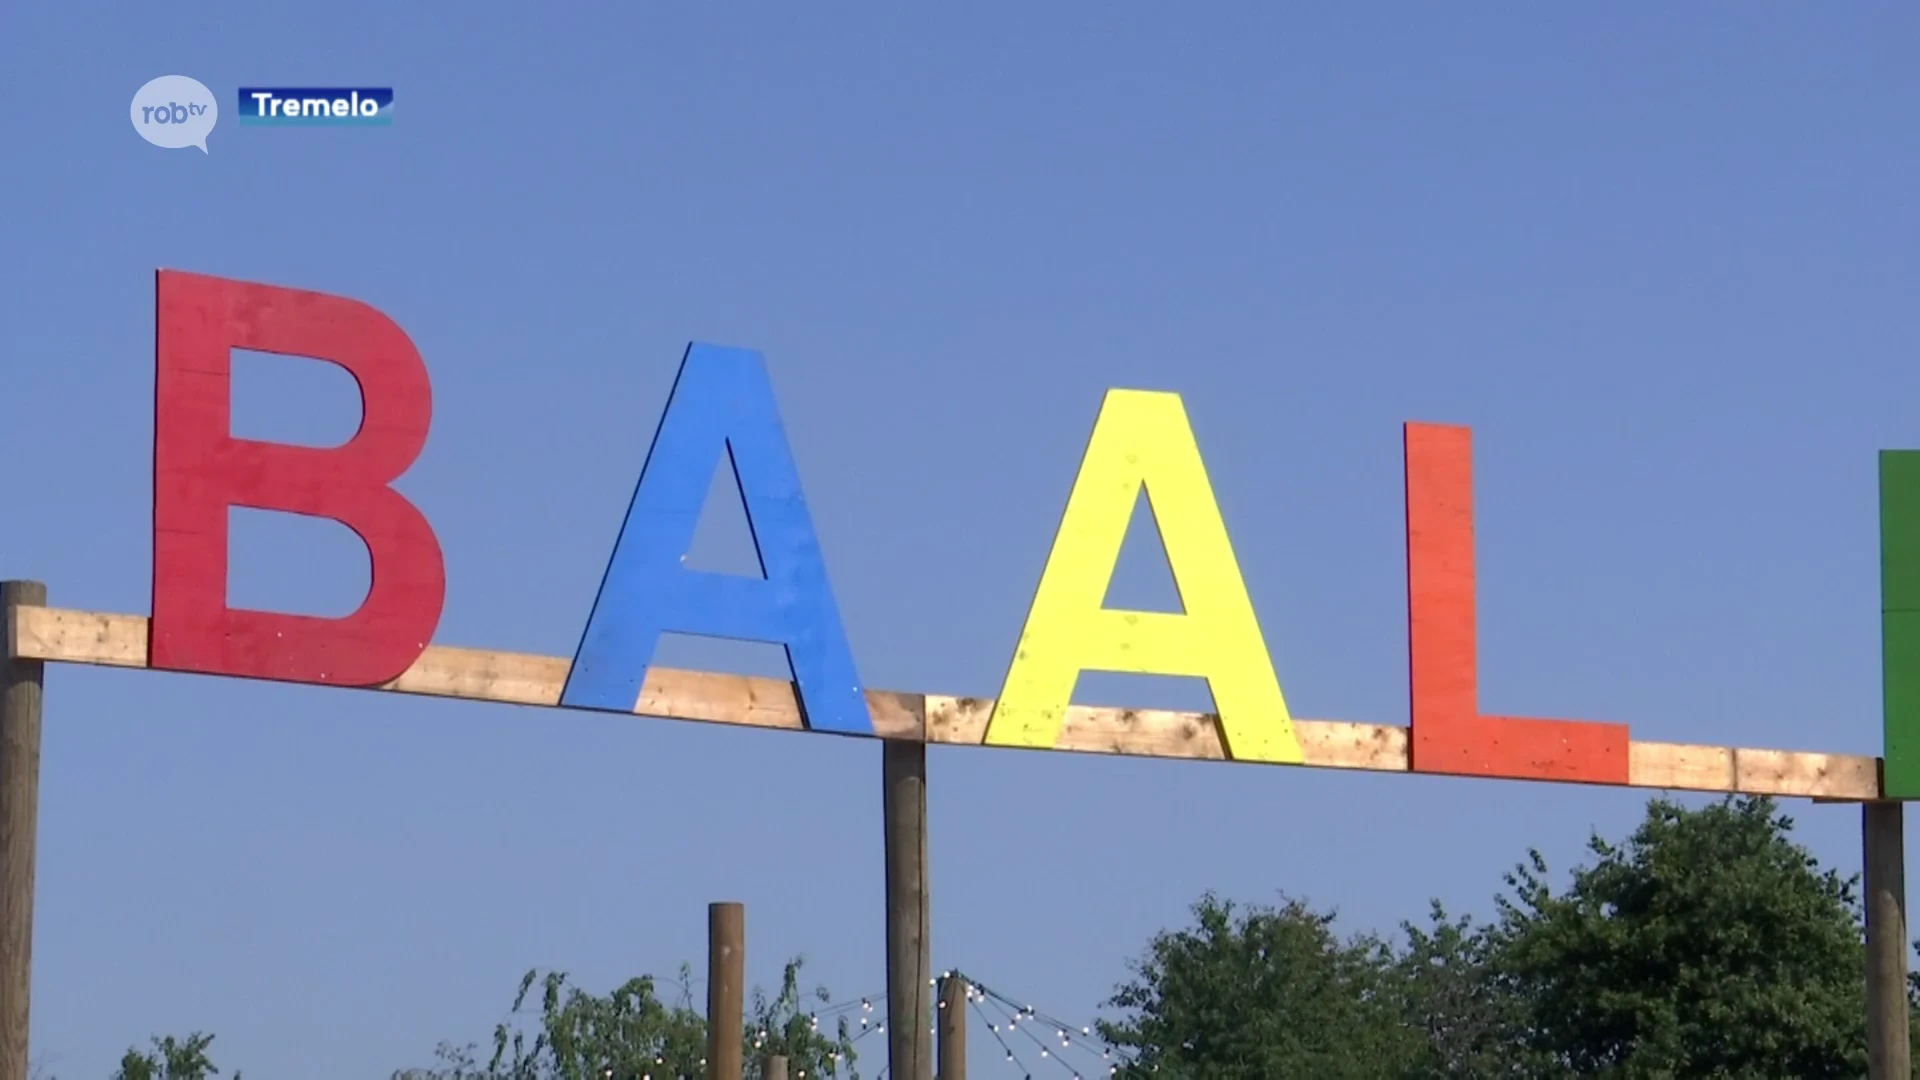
[174, 112]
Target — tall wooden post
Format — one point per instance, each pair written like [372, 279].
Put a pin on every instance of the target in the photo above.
[20, 688]
[726, 990]
[953, 1028]
[909, 989]
[774, 1068]
[1883, 830]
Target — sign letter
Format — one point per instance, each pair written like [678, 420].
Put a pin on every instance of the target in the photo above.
[1449, 734]
[200, 470]
[1900, 620]
[722, 402]
[1144, 438]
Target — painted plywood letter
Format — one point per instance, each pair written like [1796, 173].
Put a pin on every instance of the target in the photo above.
[722, 403]
[1143, 437]
[1449, 735]
[1900, 620]
[200, 470]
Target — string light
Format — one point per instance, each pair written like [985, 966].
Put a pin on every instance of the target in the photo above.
[1056, 1046]
[1055, 1043]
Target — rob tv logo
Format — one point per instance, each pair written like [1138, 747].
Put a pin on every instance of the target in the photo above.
[174, 112]
[347, 106]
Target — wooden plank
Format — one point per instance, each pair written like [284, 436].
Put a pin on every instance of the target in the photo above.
[84, 637]
[1328, 744]
[1754, 772]
[76, 637]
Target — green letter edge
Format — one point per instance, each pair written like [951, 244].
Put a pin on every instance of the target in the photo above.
[1900, 620]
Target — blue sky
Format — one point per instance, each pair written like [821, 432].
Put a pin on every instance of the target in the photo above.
[1661, 259]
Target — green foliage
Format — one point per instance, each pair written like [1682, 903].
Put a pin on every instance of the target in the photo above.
[623, 1035]
[1451, 990]
[170, 1059]
[778, 1026]
[631, 1034]
[1261, 992]
[1709, 944]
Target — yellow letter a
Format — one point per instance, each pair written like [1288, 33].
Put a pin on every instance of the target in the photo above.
[1143, 437]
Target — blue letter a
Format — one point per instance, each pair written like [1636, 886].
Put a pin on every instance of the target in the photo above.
[722, 401]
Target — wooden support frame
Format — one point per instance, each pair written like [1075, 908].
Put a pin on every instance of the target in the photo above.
[1142, 438]
[903, 771]
[726, 989]
[20, 716]
[56, 635]
[1884, 859]
[951, 1048]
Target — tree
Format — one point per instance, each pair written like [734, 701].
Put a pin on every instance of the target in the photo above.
[630, 1033]
[1261, 992]
[1451, 988]
[778, 1026]
[626, 1034]
[170, 1059]
[1709, 944]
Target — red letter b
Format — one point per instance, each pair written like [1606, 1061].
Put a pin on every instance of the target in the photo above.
[200, 470]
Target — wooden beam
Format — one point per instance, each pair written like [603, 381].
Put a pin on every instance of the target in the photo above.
[1682, 767]
[1330, 744]
[1335, 744]
[903, 770]
[952, 1046]
[80, 637]
[85, 637]
[726, 990]
[1883, 836]
[20, 692]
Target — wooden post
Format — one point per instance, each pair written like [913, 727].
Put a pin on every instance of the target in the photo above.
[774, 1068]
[1883, 829]
[726, 990]
[909, 990]
[20, 688]
[953, 1028]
